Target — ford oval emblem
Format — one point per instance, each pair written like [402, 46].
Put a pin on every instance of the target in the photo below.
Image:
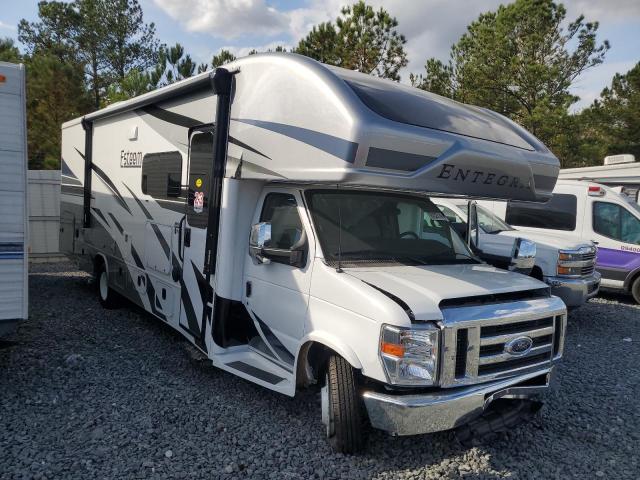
[518, 346]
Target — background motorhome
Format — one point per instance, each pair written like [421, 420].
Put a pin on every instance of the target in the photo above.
[553, 252]
[273, 213]
[620, 172]
[13, 200]
[592, 212]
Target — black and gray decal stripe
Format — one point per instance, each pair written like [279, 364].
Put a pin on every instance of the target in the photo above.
[70, 181]
[275, 343]
[140, 204]
[66, 171]
[151, 295]
[336, 146]
[256, 372]
[107, 181]
[136, 257]
[72, 190]
[188, 122]
[100, 215]
[116, 223]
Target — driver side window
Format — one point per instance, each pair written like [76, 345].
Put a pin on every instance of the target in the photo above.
[281, 210]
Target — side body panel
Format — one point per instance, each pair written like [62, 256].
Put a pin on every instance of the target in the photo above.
[13, 199]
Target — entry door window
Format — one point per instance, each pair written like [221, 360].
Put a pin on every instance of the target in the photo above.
[615, 222]
[200, 165]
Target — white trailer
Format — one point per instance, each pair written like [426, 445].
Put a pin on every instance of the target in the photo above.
[275, 213]
[13, 198]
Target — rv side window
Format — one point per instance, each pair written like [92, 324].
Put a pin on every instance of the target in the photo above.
[559, 213]
[614, 221]
[162, 174]
[282, 211]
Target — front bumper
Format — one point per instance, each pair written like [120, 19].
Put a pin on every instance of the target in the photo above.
[446, 409]
[574, 291]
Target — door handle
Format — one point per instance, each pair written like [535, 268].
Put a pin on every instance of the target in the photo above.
[187, 237]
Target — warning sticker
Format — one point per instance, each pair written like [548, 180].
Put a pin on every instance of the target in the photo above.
[198, 202]
[198, 182]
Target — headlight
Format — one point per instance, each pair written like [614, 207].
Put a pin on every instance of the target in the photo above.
[410, 355]
[572, 262]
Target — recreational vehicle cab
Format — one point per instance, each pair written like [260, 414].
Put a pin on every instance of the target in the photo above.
[275, 213]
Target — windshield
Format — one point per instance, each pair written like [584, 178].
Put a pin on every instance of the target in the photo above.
[487, 220]
[384, 227]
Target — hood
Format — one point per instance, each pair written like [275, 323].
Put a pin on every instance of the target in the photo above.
[423, 288]
[549, 239]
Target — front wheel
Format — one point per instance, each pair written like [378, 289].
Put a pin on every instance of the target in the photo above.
[341, 406]
[635, 290]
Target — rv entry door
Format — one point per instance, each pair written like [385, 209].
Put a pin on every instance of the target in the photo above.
[196, 294]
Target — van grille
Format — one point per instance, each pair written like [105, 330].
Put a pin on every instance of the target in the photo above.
[488, 350]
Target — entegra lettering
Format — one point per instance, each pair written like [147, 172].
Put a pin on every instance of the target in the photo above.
[130, 159]
[451, 172]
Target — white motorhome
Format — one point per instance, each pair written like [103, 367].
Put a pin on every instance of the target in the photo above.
[274, 213]
[13, 198]
[594, 213]
[496, 239]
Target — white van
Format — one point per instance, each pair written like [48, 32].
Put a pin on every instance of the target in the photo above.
[593, 212]
[496, 238]
[274, 213]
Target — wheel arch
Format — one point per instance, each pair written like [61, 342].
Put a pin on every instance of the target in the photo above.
[313, 353]
[632, 276]
[98, 260]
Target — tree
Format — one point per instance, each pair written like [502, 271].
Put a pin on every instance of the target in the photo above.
[134, 83]
[107, 37]
[8, 51]
[224, 56]
[321, 44]
[55, 93]
[614, 118]
[130, 43]
[520, 61]
[361, 39]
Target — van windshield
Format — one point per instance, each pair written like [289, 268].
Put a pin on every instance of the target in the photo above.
[374, 227]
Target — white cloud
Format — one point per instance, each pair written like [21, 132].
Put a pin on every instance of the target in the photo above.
[7, 26]
[226, 18]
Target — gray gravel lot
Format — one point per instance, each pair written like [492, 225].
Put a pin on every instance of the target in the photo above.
[91, 393]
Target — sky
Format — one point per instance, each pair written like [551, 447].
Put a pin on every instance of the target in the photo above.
[203, 27]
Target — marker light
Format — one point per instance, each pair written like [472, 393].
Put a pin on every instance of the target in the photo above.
[595, 191]
[3, 79]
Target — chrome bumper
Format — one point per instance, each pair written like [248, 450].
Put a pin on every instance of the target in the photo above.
[446, 409]
[574, 291]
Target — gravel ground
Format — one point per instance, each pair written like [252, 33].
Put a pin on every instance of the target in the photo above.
[90, 393]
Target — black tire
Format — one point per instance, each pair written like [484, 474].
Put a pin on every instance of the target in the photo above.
[635, 289]
[108, 298]
[343, 407]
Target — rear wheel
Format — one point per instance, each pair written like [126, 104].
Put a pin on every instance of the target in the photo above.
[341, 407]
[108, 298]
[635, 290]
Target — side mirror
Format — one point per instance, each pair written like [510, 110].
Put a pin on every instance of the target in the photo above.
[262, 252]
[259, 239]
[523, 257]
[473, 232]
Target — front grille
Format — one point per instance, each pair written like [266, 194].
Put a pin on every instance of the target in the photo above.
[587, 271]
[485, 351]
